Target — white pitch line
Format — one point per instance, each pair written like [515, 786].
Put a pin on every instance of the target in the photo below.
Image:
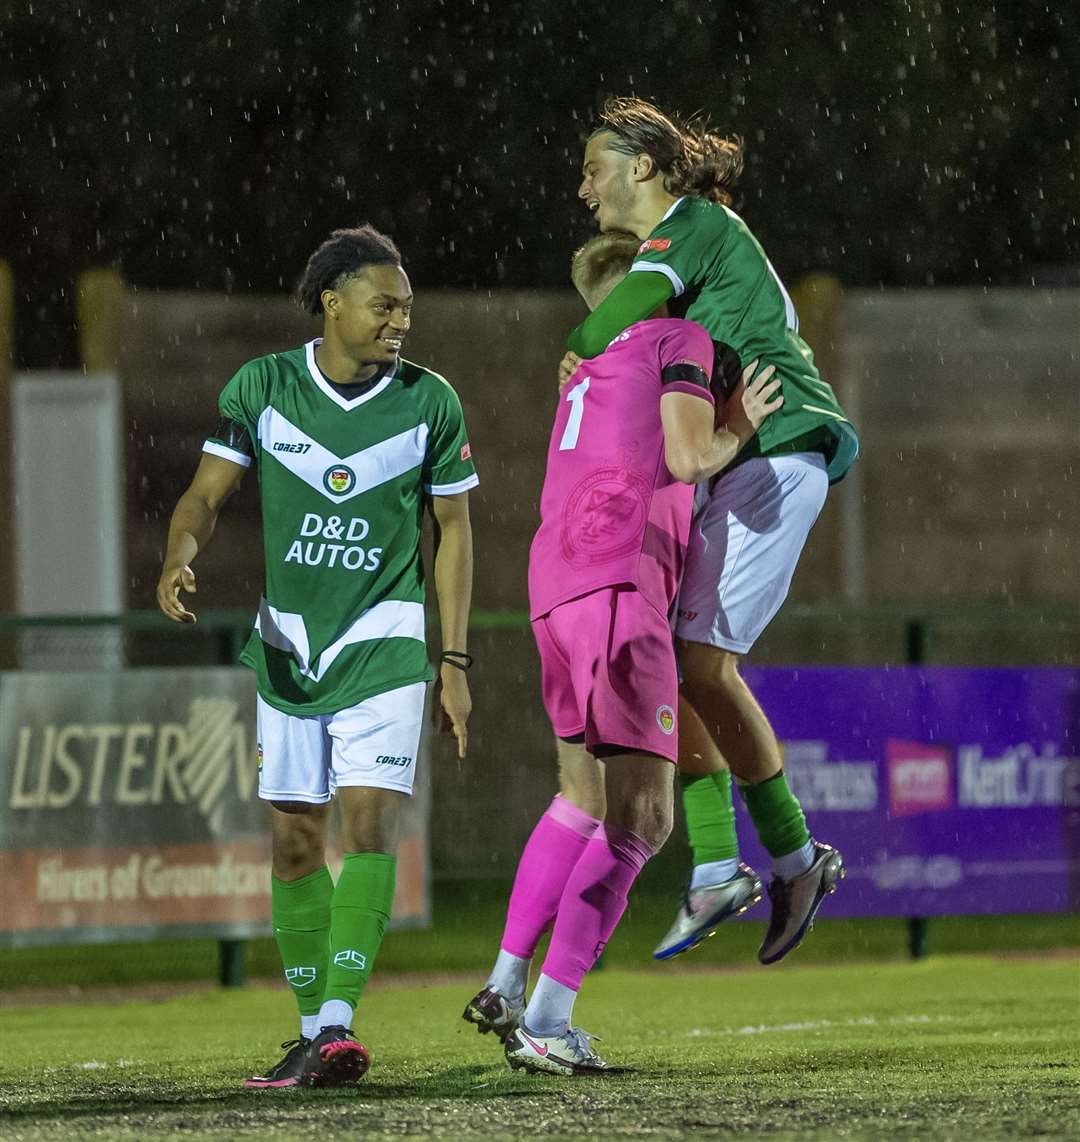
[811, 1025]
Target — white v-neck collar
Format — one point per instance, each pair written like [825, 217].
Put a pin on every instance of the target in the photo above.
[671, 210]
[331, 392]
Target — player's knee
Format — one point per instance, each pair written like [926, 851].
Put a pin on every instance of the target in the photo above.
[648, 814]
[297, 851]
[653, 825]
[299, 838]
[712, 674]
[654, 828]
[371, 837]
[585, 796]
[369, 819]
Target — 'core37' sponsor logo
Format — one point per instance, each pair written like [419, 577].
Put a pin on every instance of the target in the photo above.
[388, 759]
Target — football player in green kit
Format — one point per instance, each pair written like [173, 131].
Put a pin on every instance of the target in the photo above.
[351, 444]
[668, 184]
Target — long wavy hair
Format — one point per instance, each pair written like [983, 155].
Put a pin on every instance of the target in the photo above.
[691, 158]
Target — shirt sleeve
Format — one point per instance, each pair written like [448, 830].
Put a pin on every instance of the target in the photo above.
[632, 300]
[448, 464]
[684, 247]
[237, 429]
[686, 360]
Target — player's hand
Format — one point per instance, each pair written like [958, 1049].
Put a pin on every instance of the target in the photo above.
[168, 593]
[453, 705]
[567, 367]
[751, 401]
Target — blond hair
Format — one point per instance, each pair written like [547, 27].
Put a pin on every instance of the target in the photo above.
[598, 266]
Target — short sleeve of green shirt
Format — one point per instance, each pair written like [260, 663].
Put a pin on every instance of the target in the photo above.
[685, 245]
[448, 463]
[241, 402]
[243, 398]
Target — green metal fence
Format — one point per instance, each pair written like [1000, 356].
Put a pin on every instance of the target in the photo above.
[974, 634]
[968, 633]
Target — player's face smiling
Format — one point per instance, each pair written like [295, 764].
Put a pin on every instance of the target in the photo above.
[374, 313]
[606, 187]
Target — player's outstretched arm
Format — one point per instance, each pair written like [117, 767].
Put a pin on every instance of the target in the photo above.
[453, 588]
[192, 524]
[633, 299]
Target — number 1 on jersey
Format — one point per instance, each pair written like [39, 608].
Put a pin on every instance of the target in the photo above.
[576, 397]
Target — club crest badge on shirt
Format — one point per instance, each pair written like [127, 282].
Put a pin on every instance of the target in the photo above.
[604, 516]
[339, 479]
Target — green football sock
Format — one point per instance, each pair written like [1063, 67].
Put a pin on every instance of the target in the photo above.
[710, 816]
[777, 815]
[359, 913]
[300, 913]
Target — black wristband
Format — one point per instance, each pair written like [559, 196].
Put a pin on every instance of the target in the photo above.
[456, 658]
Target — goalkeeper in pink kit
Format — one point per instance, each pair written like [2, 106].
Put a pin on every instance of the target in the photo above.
[636, 428]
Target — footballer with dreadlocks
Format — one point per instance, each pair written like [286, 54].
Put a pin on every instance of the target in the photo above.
[350, 443]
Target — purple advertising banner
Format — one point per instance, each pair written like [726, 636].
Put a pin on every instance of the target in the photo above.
[948, 790]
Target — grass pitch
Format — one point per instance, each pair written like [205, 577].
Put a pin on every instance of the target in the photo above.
[958, 1047]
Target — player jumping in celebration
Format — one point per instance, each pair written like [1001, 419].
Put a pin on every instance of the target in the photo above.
[350, 442]
[633, 432]
[668, 184]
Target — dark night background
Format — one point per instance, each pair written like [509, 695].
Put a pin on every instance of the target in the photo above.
[214, 145]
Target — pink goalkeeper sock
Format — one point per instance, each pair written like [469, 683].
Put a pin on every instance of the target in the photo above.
[593, 902]
[546, 863]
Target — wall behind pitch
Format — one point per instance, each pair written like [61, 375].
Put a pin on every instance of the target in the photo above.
[968, 408]
[970, 416]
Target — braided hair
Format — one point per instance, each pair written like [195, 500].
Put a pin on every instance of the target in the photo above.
[340, 259]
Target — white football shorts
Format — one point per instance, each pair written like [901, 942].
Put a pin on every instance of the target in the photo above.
[745, 543]
[372, 744]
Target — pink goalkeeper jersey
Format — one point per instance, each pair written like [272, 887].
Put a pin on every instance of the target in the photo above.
[610, 511]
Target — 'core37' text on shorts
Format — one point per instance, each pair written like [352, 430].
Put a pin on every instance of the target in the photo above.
[372, 744]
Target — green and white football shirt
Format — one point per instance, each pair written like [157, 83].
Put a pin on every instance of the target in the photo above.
[720, 277]
[342, 486]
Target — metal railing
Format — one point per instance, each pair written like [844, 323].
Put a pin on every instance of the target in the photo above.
[916, 636]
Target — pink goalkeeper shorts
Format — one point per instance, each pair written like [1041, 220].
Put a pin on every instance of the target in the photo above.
[608, 672]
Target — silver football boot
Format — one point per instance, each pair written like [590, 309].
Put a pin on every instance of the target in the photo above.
[568, 1053]
[705, 908]
[795, 902]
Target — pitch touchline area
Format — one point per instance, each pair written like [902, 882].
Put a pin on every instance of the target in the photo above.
[163, 991]
[959, 1046]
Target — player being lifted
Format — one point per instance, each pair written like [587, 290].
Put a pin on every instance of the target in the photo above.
[668, 184]
[634, 430]
[350, 442]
